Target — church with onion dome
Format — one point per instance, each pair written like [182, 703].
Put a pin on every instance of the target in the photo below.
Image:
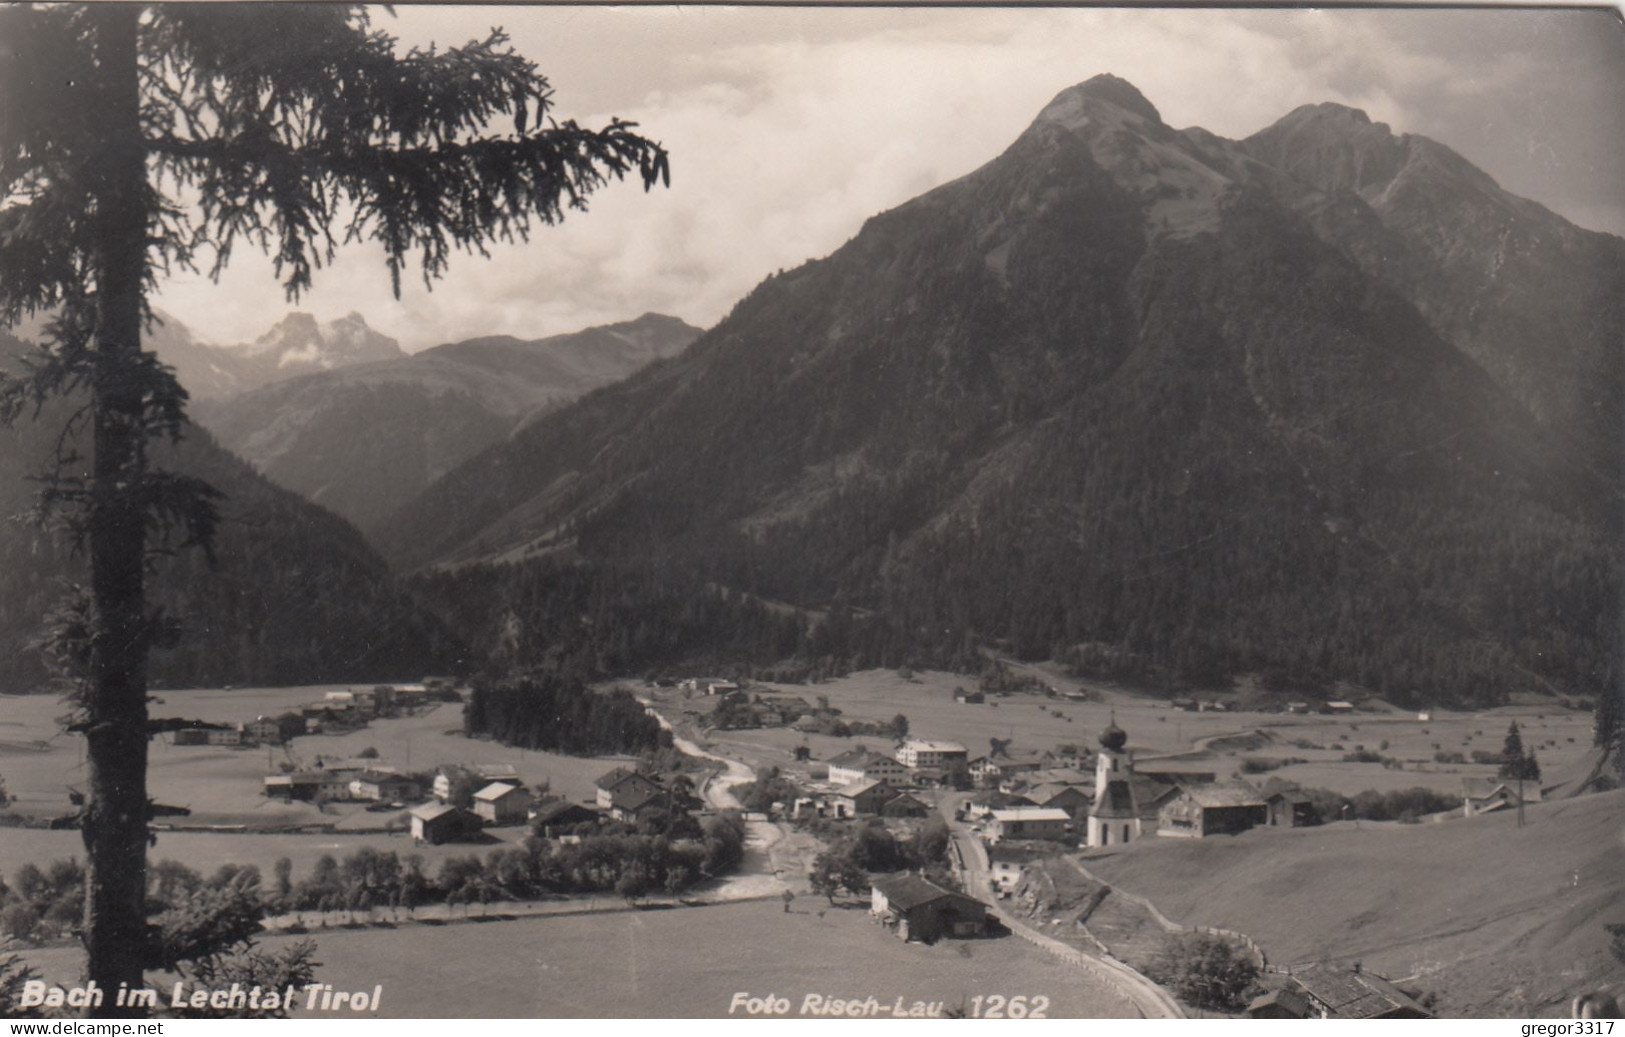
[1115, 816]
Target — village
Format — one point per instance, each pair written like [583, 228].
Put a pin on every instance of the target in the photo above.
[1033, 842]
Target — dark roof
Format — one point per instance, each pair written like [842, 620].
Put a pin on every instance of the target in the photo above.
[1289, 1001]
[379, 777]
[1118, 801]
[1233, 794]
[553, 809]
[636, 797]
[907, 891]
[858, 788]
[1349, 994]
[614, 778]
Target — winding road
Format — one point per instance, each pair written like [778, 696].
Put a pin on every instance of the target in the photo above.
[1150, 1000]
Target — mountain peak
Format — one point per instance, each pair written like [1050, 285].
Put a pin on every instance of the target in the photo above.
[1072, 106]
[1120, 92]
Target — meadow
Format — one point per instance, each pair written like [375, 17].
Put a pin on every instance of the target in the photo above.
[1176, 739]
[685, 963]
[1496, 919]
[40, 764]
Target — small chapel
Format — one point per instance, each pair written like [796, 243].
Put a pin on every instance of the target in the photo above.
[1115, 816]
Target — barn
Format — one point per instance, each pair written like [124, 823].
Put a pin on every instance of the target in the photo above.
[1204, 810]
[919, 910]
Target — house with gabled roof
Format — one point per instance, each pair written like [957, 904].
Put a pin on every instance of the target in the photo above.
[622, 779]
[864, 797]
[1049, 823]
[1220, 809]
[1486, 795]
[383, 786]
[860, 764]
[436, 823]
[552, 816]
[1328, 991]
[916, 909]
[634, 801]
[500, 803]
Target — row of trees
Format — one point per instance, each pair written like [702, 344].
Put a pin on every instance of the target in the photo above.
[853, 854]
[549, 710]
[624, 861]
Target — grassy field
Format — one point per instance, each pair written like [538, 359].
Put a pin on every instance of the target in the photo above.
[684, 963]
[40, 764]
[1497, 920]
[1560, 737]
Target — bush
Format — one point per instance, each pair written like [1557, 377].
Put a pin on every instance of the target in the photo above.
[1362, 756]
[1449, 757]
[1205, 971]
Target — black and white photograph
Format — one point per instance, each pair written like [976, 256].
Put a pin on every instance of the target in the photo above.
[812, 512]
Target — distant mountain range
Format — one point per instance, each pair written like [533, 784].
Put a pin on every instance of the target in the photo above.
[298, 344]
[1322, 405]
[363, 438]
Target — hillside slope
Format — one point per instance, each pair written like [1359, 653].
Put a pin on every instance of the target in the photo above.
[362, 440]
[1114, 398]
[1497, 920]
[297, 595]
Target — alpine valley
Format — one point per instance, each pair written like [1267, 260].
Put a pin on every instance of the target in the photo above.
[1323, 407]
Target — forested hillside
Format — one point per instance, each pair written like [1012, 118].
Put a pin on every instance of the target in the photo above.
[296, 595]
[1118, 397]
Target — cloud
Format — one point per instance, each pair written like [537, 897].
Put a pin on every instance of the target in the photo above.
[789, 127]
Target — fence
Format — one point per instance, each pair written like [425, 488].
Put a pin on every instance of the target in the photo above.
[1169, 925]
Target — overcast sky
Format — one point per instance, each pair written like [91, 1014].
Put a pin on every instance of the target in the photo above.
[789, 127]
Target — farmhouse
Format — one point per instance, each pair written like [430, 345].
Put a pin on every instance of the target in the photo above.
[634, 801]
[383, 786]
[436, 823]
[1338, 706]
[551, 816]
[477, 774]
[1204, 810]
[863, 797]
[1070, 798]
[1484, 795]
[969, 698]
[1007, 861]
[1031, 823]
[918, 752]
[500, 803]
[988, 770]
[919, 910]
[621, 779]
[1326, 991]
[862, 765]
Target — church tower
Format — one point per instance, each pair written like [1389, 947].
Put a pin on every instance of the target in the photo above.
[1115, 817]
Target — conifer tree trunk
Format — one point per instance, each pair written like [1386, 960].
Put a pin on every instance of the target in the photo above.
[115, 818]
